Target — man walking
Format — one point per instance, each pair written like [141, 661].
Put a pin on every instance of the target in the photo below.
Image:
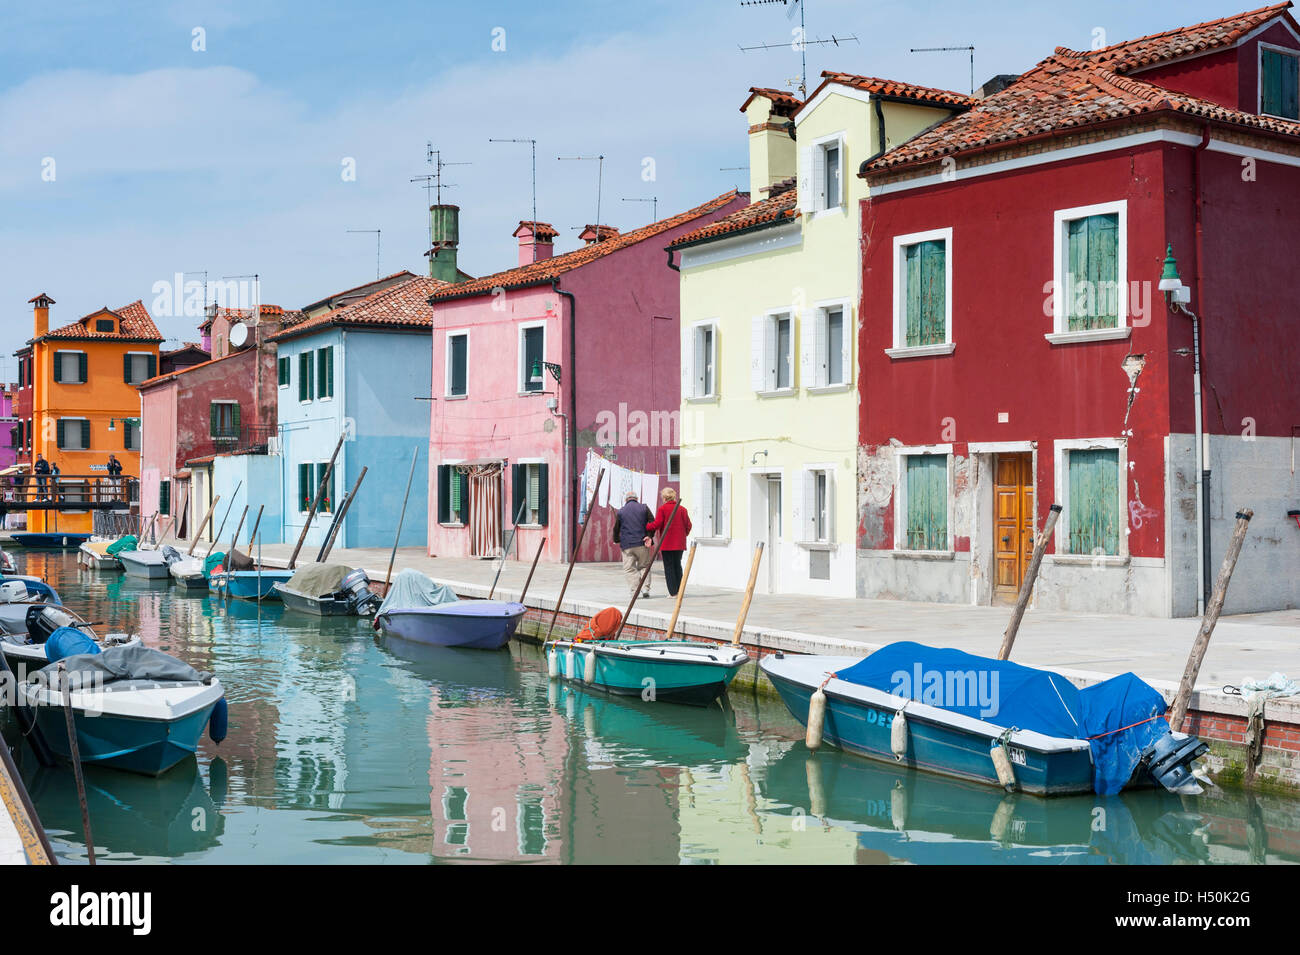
[631, 535]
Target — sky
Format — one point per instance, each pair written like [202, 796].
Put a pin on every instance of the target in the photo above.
[139, 140]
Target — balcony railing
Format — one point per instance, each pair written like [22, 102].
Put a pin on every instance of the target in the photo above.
[247, 439]
[68, 492]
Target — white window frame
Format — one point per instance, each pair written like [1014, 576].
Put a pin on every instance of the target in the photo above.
[58, 362]
[223, 401]
[461, 333]
[900, 502]
[56, 433]
[766, 325]
[814, 347]
[134, 354]
[1259, 76]
[689, 383]
[807, 514]
[719, 531]
[811, 182]
[1060, 334]
[673, 465]
[285, 358]
[1061, 465]
[531, 466]
[522, 380]
[901, 243]
[316, 376]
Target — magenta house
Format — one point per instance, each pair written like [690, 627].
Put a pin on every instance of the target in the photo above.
[537, 366]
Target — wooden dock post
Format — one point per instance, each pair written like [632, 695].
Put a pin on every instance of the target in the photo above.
[320, 493]
[645, 574]
[681, 592]
[202, 524]
[749, 594]
[532, 570]
[582, 532]
[1027, 585]
[1202, 641]
[338, 521]
[216, 538]
[400, 518]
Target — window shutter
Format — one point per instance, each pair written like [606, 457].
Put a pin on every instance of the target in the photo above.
[306, 492]
[934, 293]
[808, 349]
[715, 385]
[912, 296]
[214, 424]
[1103, 270]
[724, 524]
[60, 433]
[689, 390]
[820, 345]
[819, 178]
[164, 497]
[1094, 501]
[1076, 271]
[126, 369]
[803, 505]
[517, 492]
[543, 490]
[704, 502]
[81, 368]
[126, 435]
[804, 186]
[234, 420]
[849, 332]
[757, 358]
[444, 480]
[331, 369]
[85, 435]
[151, 361]
[830, 507]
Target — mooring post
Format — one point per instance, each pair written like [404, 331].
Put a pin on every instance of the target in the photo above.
[1027, 585]
[749, 594]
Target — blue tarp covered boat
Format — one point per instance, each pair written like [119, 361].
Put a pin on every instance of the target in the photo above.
[418, 609]
[955, 710]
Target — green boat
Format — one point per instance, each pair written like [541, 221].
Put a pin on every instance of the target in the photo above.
[677, 671]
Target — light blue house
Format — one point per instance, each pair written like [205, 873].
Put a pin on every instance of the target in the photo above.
[360, 370]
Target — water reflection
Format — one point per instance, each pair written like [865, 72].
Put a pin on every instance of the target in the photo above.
[345, 746]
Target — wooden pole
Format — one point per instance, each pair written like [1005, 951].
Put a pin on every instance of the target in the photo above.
[256, 524]
[400, 518]
[338, 523]
[681, 592]
[582, 532]
[320, 493]
[184, 504]
[1202, 641]
[514, 530]
[749, 594]
[75, 751]
[198, 531]
[1027, 585]
[536, 556]
[645, 574]
[234, 541]
[225, 517]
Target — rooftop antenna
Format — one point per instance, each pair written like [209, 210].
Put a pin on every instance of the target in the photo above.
[801, 43]
[654, 206]
[257, 293]
[204, 273]
[378, 235]
[600, 178]
[952, 49]
[533, 143]
[434, 182]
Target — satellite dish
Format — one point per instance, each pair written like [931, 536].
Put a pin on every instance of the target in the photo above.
[238, 335]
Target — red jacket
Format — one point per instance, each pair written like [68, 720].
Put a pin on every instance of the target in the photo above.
[675, 539]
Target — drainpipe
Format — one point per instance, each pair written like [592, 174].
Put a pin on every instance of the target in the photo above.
[1203, 484]
[571, 479]
[880, 135]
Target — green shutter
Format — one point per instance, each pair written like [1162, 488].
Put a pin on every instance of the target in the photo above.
[444, 494]
[926, 300]
[60, 433]
[304, 376]
[516, 492]
[1092, 272]
[305, 491]
[327, 500]
[126, 436]
[913, 314]
[214, 423]
[1279, 84]
[1094, 502]
[927, 502]
[165, 497]
[85, 435]
[543, 492]
[234, 421]
[81, 368]
[126, 368]
[151, 363]
[283, 368]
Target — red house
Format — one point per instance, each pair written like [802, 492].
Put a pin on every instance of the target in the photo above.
[1016, 349]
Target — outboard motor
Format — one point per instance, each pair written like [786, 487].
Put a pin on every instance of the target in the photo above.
[356, 586]
[13, 591]
[170, 554]
[44, 619]
[1169, 760]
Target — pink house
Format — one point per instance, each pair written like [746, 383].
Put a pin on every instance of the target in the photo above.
[535, 366]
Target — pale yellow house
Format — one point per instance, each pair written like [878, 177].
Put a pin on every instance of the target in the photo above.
[769, 320]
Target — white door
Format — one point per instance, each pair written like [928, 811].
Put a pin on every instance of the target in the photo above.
[773, 556]
[201, 501]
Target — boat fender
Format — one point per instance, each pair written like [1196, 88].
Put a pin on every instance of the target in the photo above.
[589, 720]
[898, 806]
[1002, 762]
[552, 693]
[552, 663]
[898, 735]
[816, 787]
[568, 663]
[570, 706]
[217, 721]
[1003, 816]
[816, 720]
[589, 668]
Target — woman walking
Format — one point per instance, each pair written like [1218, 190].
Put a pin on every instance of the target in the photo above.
[674, 541]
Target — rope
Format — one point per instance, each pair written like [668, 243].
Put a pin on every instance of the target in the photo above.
[1158, 716]
[829, 676]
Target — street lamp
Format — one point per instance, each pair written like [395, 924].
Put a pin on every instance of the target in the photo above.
[112, 421]
[535, 373]
[1177, 295]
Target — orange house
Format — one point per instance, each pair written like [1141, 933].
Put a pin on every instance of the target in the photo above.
[85, 405]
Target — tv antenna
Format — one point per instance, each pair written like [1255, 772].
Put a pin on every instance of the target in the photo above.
[434, 182]
[800, 42]
[600, 178]
[204, 273]
[378, 233]
[533, 143]
[654, 206]
[952, 49]
[257, 295]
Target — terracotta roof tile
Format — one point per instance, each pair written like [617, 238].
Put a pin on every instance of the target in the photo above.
[783, 207]
[133, 324]
[404, 305]
[541, 230]
[784, 102]
[546, 270]
[1072, 89]
[881, 87]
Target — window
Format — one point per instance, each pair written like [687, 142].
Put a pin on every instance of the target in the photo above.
[325, 372]
[700, 367]
[223, 420]
[713, 494]
[922, 294]
[18, 440]
[73, 434]
[164, 497]
[1094, 501]
[453, 503]
[529, 493]
[816, 522]
[1090, 273]
[674, 466]
[130, 436]
[772, 361]
[22, 372]
[1279, 82]
[282, 366]
[305, 378]
[925, 500]
[70, 367]
[531, 824]
[831, 174]
[532, 345]
[138, 367]
[827, 348]
[310, 475]
[821, 175]
[458, 365]
[104, 325]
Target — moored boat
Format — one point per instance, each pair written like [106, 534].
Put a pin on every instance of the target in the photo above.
[677, 671]
[147, 564]
[328, 590]
[26, 647]
[420, 610]
[94, 554]
[249, 584]
[54, 540]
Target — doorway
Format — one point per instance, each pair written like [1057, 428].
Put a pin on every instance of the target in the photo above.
[773, 538]
[1013, 523]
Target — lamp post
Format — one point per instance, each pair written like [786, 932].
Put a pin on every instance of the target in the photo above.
[1177, 295]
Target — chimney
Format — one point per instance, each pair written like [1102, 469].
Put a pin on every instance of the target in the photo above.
[444, 240]
[996, 85]
[592, 233]
[772, 152]
[41, 313]
[536, 241]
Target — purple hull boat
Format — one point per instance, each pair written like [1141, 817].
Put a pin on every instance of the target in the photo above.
[480, 624]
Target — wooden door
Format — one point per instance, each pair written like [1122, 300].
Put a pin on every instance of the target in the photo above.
[1013, 522]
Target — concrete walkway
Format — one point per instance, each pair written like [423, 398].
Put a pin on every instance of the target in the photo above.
[1248, 645]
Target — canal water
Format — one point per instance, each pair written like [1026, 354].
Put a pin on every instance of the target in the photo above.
[347, 747]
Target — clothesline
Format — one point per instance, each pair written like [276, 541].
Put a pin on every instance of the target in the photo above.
[618, 482]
